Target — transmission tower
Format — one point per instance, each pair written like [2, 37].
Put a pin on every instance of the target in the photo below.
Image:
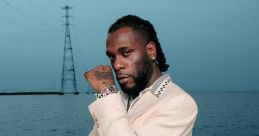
[68, 80]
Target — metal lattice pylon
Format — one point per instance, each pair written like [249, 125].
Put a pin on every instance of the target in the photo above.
[68, 80]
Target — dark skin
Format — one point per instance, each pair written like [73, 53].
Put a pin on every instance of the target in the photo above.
[129, 57]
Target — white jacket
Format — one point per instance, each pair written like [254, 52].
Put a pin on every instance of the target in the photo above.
[163, 109]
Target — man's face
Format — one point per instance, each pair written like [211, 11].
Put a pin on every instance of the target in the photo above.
[129, 60]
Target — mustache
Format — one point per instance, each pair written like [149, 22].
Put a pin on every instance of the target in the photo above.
[121, 76]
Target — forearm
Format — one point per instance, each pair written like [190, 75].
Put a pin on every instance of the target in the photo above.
[110, 117]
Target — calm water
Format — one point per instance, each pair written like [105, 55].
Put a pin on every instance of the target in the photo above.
[220, 114]
[227, 114]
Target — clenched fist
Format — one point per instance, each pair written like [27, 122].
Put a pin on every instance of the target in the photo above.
[99, 77]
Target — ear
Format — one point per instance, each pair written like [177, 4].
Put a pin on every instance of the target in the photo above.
[151, 50]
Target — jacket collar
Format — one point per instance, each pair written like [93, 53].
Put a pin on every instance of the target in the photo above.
[157, 88]
[159, 85]
[148, 97]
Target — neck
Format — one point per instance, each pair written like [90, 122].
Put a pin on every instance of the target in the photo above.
[155, 75]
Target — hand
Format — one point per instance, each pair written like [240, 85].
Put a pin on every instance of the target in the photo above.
[99, 77]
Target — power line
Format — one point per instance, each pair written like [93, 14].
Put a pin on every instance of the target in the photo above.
[20, 25]
[24, 14]
[42, 10]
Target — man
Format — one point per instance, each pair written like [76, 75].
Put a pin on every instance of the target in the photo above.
[150, 104]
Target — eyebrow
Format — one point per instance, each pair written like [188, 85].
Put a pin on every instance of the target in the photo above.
[120, 50]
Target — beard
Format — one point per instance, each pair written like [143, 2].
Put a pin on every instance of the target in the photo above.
[140, 80]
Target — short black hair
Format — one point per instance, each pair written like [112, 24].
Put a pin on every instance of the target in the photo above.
[146, 29]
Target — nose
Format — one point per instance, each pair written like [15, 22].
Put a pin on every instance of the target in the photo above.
[118, 64]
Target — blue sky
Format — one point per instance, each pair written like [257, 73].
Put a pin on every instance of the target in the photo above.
[210, 45]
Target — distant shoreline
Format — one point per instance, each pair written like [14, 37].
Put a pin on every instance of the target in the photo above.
[43, 93]
[76, 93]
[32, 93]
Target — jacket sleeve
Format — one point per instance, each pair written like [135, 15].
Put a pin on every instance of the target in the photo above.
[110, 118]
[175, 118]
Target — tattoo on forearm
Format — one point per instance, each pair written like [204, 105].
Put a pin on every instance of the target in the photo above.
[103, 75]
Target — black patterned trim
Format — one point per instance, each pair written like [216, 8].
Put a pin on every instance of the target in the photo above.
[161, 89]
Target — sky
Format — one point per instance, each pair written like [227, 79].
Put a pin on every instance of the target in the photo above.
[211, 45]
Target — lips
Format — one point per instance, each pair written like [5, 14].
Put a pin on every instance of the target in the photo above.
[123, 79]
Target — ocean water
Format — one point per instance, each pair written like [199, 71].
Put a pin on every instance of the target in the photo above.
[45, 115]
[220, 114]
[227, 113]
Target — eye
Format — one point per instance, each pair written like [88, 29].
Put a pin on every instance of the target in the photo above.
[127, 53]
[111, 58]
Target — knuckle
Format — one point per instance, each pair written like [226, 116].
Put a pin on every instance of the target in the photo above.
[86, 73]
[107, 67]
